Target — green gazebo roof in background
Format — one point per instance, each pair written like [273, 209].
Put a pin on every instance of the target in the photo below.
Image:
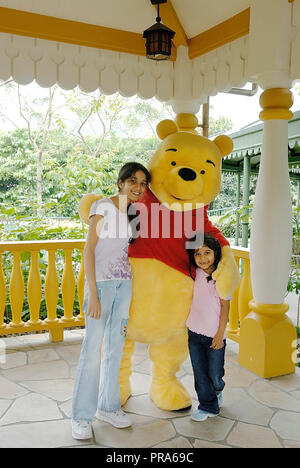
[248, 141]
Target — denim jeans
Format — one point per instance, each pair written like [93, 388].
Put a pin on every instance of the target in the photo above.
[208, 368]
[111, 328]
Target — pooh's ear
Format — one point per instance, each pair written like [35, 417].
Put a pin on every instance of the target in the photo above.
[224, 143]
[166, 128]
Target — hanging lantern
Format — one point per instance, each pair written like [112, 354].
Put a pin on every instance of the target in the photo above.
[158, 38]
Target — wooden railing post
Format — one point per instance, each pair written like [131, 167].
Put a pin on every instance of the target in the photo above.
[51, 297]
[16, 291]
[233, 325]
[34, 289]
[245, 290]
[68, 287]
[80, 284]
[239, 306]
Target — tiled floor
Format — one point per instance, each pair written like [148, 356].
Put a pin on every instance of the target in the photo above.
[36, 383]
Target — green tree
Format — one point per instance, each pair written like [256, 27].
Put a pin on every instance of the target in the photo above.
[17, 168]
[144, 116]
[219, 125]
[94, 117]
[39, 115]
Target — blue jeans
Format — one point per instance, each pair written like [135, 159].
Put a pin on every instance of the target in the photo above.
[208, 368]
[111, 328]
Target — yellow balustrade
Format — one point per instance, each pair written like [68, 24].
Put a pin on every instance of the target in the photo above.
[51, 297]
[36, 290]
[233, 324]
[239, 306]
[68, 287]
[16, 291]
[51, 288]
[80, 286]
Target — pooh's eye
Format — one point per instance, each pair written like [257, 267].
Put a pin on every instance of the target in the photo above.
[173, 163]
[202, 172]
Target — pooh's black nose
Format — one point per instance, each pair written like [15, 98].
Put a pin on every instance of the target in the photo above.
[187, 174]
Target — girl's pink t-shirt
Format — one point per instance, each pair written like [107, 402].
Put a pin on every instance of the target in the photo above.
[204, 317]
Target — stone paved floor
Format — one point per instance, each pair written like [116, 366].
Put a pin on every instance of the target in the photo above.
[36, 382]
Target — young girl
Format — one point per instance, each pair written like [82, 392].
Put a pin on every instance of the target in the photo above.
[206, 330]
[106, 305]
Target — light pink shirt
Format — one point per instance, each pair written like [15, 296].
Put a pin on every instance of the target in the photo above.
[204, 317]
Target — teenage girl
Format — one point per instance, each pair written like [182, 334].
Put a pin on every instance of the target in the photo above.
[207, 329]
[108, 288]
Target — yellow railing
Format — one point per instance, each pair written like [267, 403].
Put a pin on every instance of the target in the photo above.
[49, 290]
[239, 306]
[36, 290]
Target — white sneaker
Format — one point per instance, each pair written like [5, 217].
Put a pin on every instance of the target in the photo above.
[200, 415]
[81, 430]
[117, 418]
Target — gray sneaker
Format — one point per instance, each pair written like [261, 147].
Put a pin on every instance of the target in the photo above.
[117, 418]
[81, 430]
[200, 415]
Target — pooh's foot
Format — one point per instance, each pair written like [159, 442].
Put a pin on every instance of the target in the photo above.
[126, 370]
[125, 390]
[170, 395]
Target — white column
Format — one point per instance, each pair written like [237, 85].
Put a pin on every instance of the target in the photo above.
[267, 335]
[271, 34]
[271, 233]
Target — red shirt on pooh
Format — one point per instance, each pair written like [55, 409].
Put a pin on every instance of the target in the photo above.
[163, 233]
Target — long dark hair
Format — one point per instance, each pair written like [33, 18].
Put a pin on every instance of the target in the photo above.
[200, 241]
[127, 171]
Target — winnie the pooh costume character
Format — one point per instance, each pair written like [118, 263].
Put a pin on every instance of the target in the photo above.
[186, 177]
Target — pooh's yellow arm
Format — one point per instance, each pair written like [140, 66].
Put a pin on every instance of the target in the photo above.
[227, 276]
[85, 206]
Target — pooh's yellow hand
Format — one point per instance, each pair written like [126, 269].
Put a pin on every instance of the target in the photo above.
[85, 206]
[227, 276]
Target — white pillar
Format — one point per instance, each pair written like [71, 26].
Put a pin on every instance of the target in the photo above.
[271, 233]
[267, 335]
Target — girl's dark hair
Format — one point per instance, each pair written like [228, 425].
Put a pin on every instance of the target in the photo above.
[211, 243]
[131, 168]
[126, 171]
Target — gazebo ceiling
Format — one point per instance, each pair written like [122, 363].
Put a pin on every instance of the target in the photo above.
[98, 44]
[196, 16]
[199, 24]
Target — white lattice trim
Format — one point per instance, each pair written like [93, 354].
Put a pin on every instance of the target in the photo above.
[220, 69]
[27, 59]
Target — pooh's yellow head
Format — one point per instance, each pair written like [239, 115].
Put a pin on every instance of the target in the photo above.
[186, 168]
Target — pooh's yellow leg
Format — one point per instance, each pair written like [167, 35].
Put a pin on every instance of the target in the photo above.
[126, 370]
[166, 391]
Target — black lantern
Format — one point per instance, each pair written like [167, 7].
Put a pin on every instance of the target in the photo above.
[158, 38]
